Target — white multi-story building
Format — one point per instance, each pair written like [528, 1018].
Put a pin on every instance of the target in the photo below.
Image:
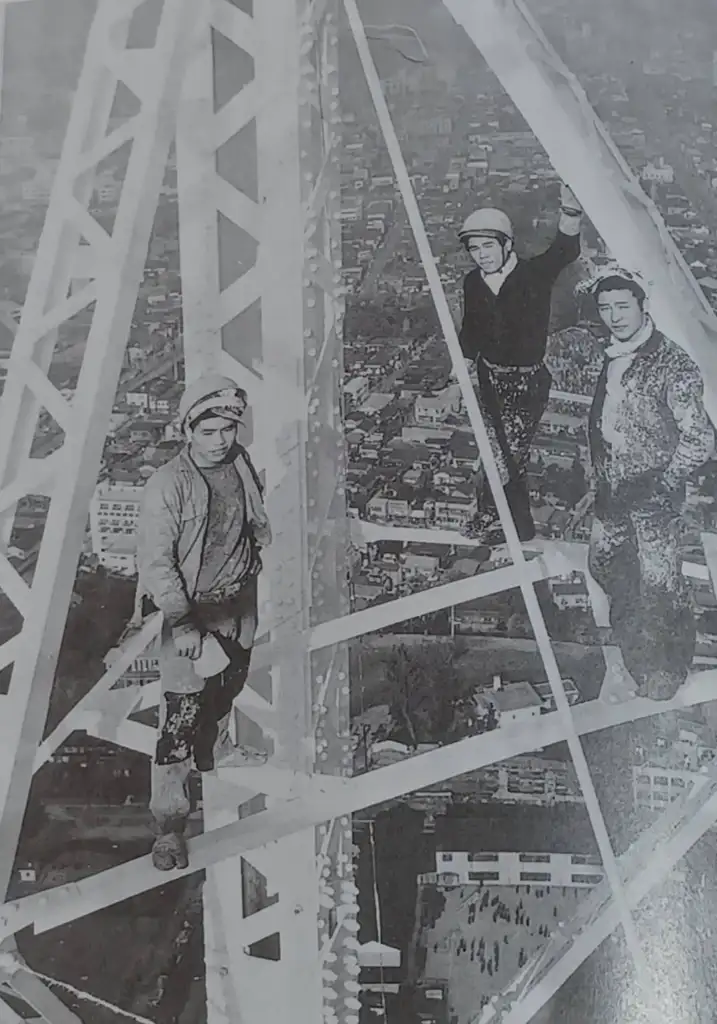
[674, 769]
[150, 401]
[659, 172]
[654, 788]
[114, 512]
[580, 871]
[351, 208]
[431, 410]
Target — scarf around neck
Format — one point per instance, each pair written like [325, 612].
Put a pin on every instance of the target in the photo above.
[497, 278]
[618, 348]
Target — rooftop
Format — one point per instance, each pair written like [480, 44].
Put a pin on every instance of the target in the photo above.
[514, 696]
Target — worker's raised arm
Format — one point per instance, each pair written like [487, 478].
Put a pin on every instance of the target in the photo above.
[565, 248]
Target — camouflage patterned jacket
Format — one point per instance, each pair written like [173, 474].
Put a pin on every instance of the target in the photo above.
[662, 429]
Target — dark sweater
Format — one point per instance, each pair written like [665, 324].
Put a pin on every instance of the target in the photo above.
[511, 328]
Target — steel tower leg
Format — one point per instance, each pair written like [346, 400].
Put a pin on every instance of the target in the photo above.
[265, 307]
[73, 245]
[258, 184]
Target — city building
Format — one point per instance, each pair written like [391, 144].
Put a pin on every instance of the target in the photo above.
[545, 693]
[581, 871]
[114, 513]
[415, 566]
[569, 594]
[514, 703]
[430, 410]
[351, 207]
[159, 397]
[659, 172]
[654, 788]
[670, 769]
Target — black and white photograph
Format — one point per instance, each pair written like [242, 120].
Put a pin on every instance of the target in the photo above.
[358, 511]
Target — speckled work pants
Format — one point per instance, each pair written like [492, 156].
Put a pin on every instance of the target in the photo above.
[635, 558]
[512, 404]
[195, 713]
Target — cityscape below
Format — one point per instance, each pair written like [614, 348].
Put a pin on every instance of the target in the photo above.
[461, 884]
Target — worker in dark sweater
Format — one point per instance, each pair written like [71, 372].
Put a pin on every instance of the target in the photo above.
[506, 315]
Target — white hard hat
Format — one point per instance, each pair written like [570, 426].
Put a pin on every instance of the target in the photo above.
[486, 222]
[608, 272]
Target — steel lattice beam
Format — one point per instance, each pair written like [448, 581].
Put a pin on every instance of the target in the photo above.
[272, 106]
[555, 106]
[291, 103]
[118, 262]
[253, 307]
[645, 865]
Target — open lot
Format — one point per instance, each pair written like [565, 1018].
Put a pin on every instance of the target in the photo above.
[514, 659]
[461, 946]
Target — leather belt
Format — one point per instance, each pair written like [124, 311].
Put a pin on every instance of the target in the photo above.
[511, 369]
[224, 594]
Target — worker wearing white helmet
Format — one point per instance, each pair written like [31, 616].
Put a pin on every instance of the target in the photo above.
[201, 529]
[506, 315]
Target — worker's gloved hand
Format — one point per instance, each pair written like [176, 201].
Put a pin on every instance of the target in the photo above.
[187, 641]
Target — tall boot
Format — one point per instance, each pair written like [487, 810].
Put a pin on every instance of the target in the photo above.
[218, 699]
[518, 498]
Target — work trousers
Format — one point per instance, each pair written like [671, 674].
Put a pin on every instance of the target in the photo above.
[512, 404]
[195, 713]
[635, 558]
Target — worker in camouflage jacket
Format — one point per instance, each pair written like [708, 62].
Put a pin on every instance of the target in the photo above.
[648, 434]
[202, 526]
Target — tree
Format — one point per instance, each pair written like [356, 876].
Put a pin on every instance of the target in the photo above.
[401, 676]
[427, 689]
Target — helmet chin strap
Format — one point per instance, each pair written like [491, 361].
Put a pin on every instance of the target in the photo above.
[506, 248]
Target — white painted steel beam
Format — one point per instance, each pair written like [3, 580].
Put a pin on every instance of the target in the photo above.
[555, 106]
[648, 863]
[248, 310]
[475, 417]
[310, 267]
[116, 290]
[65, 903]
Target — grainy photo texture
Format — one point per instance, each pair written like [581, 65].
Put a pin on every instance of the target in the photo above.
[358, 511]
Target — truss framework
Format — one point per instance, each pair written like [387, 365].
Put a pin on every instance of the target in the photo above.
[290, 226]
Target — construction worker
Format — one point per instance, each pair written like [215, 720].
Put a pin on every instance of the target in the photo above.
[648, 433]
[201, 529]
[506, 316]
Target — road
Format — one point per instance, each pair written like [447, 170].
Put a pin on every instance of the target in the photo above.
[461, 123]
[384, 254]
